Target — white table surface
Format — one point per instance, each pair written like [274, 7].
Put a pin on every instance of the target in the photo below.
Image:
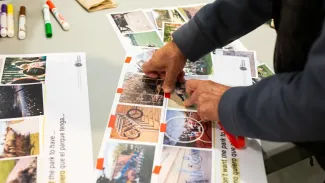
[92, 33]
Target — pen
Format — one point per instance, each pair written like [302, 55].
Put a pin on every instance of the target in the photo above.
[47, 21]
[3, 18]
[65, 25]
[11, 32]
[22, 23]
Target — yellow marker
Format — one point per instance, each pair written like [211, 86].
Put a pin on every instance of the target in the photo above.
[11, 31]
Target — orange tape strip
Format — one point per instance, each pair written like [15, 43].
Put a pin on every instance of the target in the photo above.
[100, 163]
[128, 59]
[163, 127]
[167, 95]
[112, 120]
[119, 90]
[156, 170]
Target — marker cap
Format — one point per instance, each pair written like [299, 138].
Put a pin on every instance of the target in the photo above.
[3, 8]
[48, 30]
[10, 9]
[22, 10]
[51, 5]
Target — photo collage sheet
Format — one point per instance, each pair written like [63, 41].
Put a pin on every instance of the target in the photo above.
[21, 116]
[23, 128]
[151, 136]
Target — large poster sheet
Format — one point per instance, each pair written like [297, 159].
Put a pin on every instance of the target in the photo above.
[45, 133]
[152, 137]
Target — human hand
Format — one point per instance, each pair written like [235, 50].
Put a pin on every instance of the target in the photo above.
[206, 95]
[166, 63]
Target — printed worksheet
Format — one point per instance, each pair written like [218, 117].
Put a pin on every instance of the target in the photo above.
[232, 70]
[43, 110]
[151, 137]
[251, 55]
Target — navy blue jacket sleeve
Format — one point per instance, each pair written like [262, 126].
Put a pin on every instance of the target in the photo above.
[283, 107]
[220, 23]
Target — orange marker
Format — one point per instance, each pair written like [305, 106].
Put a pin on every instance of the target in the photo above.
[58, 16]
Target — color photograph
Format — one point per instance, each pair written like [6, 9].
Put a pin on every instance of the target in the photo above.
[167, 15]
[23, 170]
[20, 70]
[169, 28]
[139, 59]
[126, 163]
[136, 123]
[180, 165]
[264, 71]
[19, 138]
[187, 129]
[177, 98]
[18, 101]
[131, 22]
[189, 12]
[140, 89]
[203, 66]
[144, 39]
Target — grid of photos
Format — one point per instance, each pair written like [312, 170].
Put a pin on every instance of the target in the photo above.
[149, 127]
[21, 106]
[136, 141]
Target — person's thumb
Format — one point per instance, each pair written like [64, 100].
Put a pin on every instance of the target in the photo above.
[170, 80]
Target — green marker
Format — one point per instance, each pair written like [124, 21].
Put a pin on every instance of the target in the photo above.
[47, 21]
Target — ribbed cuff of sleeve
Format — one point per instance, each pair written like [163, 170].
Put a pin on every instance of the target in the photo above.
[228, 112]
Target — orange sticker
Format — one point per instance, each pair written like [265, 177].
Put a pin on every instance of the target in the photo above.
[163, 127]
[112, 120]
[119, 90]
[128, 59]
[100, 163]
[167, 95]
[156, 170]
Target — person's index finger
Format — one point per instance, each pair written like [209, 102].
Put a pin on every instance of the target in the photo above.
[170, 81]
[191, 86]
[191, 100]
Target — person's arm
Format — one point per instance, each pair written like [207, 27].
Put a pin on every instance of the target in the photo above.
[220, 23]
[284, 107]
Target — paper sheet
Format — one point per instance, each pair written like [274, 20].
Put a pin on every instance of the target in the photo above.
[43, 111]
[151, 136]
